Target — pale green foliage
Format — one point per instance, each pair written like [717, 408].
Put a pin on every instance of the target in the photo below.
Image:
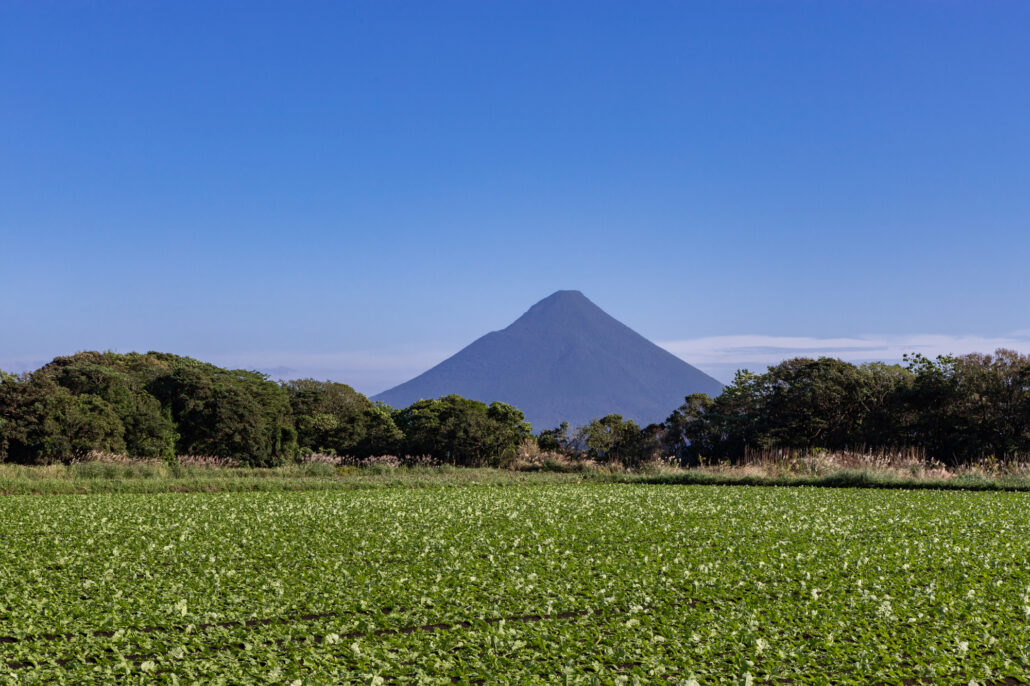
[612, 584]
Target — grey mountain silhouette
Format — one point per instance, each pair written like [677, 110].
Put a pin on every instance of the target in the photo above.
[565, 359]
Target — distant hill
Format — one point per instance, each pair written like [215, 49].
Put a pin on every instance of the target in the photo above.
[565, 359]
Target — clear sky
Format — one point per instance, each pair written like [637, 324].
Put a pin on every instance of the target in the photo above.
[357, 190]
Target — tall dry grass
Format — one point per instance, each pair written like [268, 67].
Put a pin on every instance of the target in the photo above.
[100, 472]
[902, 464]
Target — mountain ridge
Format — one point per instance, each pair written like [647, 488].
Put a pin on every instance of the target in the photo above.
[564, 359]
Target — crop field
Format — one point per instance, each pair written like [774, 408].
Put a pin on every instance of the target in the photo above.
[587, 583]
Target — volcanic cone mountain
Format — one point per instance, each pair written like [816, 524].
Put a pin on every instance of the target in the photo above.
[565, 359]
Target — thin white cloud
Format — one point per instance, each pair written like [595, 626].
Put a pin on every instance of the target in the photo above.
[373, 371]
[721, 355]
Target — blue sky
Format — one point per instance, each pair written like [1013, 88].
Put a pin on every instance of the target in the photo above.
[357, 190]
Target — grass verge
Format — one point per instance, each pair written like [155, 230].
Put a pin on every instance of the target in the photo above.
[841, 479]
[98, 477]
[90, 478]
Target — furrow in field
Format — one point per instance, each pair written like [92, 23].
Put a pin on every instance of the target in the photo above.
[403, 630]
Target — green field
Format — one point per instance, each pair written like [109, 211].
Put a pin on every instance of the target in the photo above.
[580, 583]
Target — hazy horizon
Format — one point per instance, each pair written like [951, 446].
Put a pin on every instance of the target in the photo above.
[374, 371]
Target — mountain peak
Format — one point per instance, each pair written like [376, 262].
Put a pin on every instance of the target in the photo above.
[566, 296]
[561, 308]
[563, 300]
[565, 359]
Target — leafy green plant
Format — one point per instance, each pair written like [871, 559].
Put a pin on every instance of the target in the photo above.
[602, 583]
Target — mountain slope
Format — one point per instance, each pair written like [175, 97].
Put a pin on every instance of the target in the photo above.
[565, 359]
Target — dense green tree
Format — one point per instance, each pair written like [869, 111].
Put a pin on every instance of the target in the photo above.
[611, 439]
[686, 433]
[557, 440]
[955, 409]
[43, 422]
[310, 397]
[461, 431]
[8, 386]
[169, 404]
[379, 433]
[149, 431]
[967, 407]
[813, 403]
[508, 429]
[995, 396]
[92, 424]
[737, 419]
[234, 414]
[884, 414]
[330, 417]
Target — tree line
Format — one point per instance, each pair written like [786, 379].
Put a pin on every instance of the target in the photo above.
[955, 410]
[952, 409]
[158, 405]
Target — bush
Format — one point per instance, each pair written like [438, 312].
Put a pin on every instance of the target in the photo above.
[463, 432]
